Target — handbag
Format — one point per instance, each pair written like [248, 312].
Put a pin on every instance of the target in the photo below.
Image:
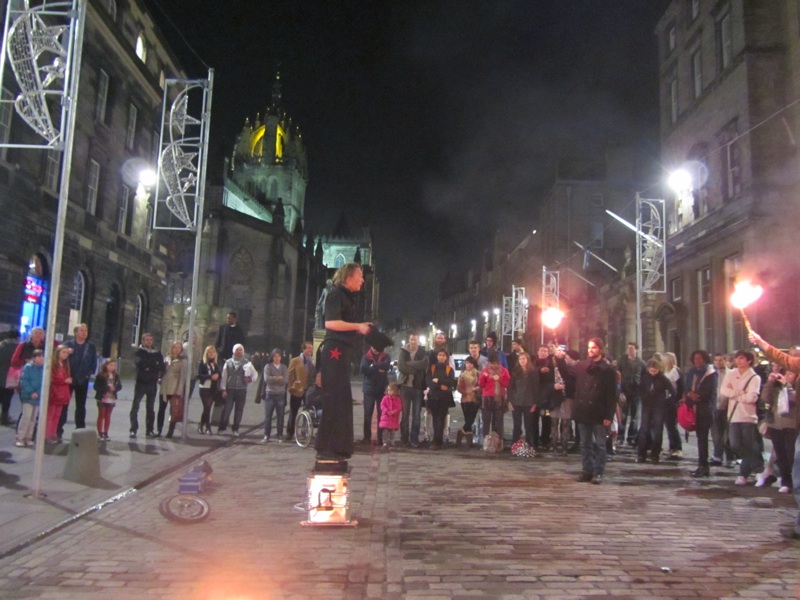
[12, 379]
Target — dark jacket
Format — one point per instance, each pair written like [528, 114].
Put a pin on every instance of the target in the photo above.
[375, 369]
[412, 371]
[704, 382]
[445, 376]
[595, 391]
[101, 387]
[340, 305]
[524, 387]
[205, 371]
[149, 365]
[227, 337]
[82, 361]
[656, 391]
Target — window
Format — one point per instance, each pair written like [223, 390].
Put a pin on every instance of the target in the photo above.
[339, 261]
[123, 221]
[136, 322]
[162, 79]
[141, 48]
[677, 289]
[596, 200]
[697, 72]
[111, 7]
[130, 136]
[672, 38]
[597, 231]
[155, 147]
[52, 170]
[6, 113]
[101, 101]
[92, 187]
[725, 36]
[730, 176]
[694, 9]
[704, 320]
[735, 330]
[77, 304]
[673, 100]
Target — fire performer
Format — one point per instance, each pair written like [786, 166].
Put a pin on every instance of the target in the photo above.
[335, 435]
[791, 363]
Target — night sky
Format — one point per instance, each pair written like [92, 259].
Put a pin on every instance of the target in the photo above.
[436, 123]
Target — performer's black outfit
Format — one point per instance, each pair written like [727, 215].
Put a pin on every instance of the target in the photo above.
[335, 435]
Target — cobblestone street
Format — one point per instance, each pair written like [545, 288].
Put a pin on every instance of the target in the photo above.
[450, 524]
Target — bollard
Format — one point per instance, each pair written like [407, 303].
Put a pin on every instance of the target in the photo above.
[83, 458]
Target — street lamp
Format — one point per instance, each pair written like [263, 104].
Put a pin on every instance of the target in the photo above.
[651, 256]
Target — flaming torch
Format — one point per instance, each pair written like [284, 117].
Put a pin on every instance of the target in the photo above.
[744, 294]
[551, 318]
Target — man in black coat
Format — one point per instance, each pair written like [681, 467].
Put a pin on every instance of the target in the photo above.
[595, 402]
[228, 336]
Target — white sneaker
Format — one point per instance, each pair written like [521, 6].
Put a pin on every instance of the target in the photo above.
[265, 439]
[784, 489]
[740, 480]
[19, 444]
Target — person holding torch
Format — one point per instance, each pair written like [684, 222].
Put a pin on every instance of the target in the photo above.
[791, 363]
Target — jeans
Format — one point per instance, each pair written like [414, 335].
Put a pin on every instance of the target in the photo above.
[372, 403]
[149, 390]
[783, 442]
[522, 415]
[295, 402]
[796, 481]
[651, 429]
[671, 423]
[492, 417]
[593, 447]
[6, 394]
[412, 405]
[744, 443]
[718, 433]
[235, 398]
[470, 410]
[439, 413]
[273, 403]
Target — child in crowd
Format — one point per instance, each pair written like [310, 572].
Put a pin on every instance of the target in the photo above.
[106, 386]
[30, 388]
[469, 389]
[60, 392]
[391, 407]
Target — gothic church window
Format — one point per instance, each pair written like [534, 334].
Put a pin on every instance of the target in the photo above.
[241, 267]
[339, 261]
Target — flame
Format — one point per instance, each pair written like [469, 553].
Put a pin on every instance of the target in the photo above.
[551, 317]
[744, 294]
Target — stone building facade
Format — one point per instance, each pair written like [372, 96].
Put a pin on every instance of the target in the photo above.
[730, 77]
[113, 265]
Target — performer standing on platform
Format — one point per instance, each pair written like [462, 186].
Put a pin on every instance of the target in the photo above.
[335, 435]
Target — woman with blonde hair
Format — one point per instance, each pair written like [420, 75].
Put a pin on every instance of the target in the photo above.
[172, 385]
[208, 373]
[674, 374]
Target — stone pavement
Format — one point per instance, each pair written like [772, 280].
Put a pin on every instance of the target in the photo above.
[450, 524]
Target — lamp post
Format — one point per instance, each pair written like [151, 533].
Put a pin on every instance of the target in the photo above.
[651, 257]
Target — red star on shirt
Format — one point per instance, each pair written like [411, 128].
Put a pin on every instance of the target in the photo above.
[335, 354]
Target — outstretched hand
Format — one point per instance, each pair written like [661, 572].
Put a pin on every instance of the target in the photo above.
[756, 339]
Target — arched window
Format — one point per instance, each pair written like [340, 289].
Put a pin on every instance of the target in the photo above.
[77, 303]
[339, 260]
[138, 318]
[141, 48]
[111, 7]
